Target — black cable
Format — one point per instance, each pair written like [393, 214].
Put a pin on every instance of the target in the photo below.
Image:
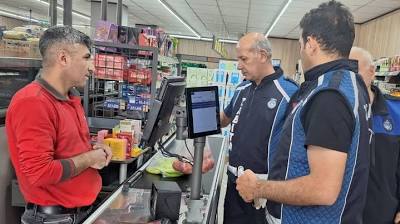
[169, 154]
[187, 148]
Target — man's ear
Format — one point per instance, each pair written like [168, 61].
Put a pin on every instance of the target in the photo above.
[264, 55]
[312, 45]
[371, 71]
[62, 57]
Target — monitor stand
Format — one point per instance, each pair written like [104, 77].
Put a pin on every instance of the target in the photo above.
[194, 214]
[195, 205]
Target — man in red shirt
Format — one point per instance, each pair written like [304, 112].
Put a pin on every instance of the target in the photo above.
[48, 135]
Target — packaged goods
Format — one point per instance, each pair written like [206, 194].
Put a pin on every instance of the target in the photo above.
[118, 148]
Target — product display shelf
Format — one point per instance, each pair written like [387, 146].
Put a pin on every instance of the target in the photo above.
[122, 83]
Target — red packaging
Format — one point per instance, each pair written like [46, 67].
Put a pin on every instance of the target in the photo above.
[110, 61]
[128, 137]
[109, 73]
[114, 74]
[142, 76]
[100, 73]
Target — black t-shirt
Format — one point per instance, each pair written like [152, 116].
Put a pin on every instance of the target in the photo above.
[328, 121]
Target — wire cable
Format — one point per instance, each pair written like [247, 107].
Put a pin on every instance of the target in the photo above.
[169, 154]
[187, 148]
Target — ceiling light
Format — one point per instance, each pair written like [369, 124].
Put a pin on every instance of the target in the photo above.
[184, 37]
[277, 18]
[228, 41]
[206, 39]
[202, 38]
[190, 37]
[16, 16]
[76, 25]
[60, 8]
[180, 19]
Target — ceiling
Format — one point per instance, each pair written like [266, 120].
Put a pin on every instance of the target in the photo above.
[226, 19]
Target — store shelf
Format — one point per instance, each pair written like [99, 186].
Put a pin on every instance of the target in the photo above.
[124, 46]
[387, 74]
[187, 57]
[14, 62]
[103, 94]
[168, 60]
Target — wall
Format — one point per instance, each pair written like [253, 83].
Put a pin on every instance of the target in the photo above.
[284, 49]
[288, 51]
[357, 34]
[381, 36]
[203, 48]
[10, 22]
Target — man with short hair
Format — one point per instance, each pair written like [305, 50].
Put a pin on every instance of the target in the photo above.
[383, 192]
[48, 135]
[319, 167]
[257, 106]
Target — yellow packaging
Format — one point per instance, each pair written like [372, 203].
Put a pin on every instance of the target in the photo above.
[118, 148]
[136, 151]
[115, 131]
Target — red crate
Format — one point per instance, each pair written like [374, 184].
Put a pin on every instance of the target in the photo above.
[110, 61]
[142, 76]
[109, 73]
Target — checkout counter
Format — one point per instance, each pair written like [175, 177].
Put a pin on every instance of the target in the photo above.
[133, 205]
[187, 199]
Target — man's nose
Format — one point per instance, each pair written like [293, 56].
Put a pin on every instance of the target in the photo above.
[91, 66]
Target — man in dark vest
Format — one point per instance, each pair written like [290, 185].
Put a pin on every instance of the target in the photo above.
[257, 105]
[319, 167]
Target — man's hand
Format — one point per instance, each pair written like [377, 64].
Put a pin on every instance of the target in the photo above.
[246, 185]
[106, 149]
[100, 156]
[397, 218]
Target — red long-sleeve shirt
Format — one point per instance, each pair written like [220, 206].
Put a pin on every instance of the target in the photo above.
[44, 129]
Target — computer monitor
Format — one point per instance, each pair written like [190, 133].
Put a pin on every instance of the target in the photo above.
[157, 124]
[164, 85]
[202, 108]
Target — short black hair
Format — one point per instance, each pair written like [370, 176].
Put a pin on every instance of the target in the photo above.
[332, 25]
[60, 35]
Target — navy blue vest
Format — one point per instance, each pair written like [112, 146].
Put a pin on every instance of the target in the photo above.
[384, 180]
[254, 111]
[288, 156]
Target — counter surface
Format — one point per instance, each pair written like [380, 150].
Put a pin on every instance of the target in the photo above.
[134, 204]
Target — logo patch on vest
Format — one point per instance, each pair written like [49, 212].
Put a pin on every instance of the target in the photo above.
[387, 125]
[272, 103]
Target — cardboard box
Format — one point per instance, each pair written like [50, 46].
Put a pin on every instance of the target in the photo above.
[106, 31]
[118, 148]
[110, 61]
[109, 73]
[142, 76]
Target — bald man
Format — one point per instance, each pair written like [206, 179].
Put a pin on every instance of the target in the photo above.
[257, 107]
[384, 182]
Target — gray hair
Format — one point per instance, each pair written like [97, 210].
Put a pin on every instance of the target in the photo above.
[367, 57]
[61, 35]
[262, 43]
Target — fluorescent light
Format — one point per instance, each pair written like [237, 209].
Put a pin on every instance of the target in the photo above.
[184, 37]
[277, 18]
[228, 41]
[202, 38]
[180, 19]
[190, 37]
[76, 25]
[206, 39]
[16, 16]
[60, 8]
